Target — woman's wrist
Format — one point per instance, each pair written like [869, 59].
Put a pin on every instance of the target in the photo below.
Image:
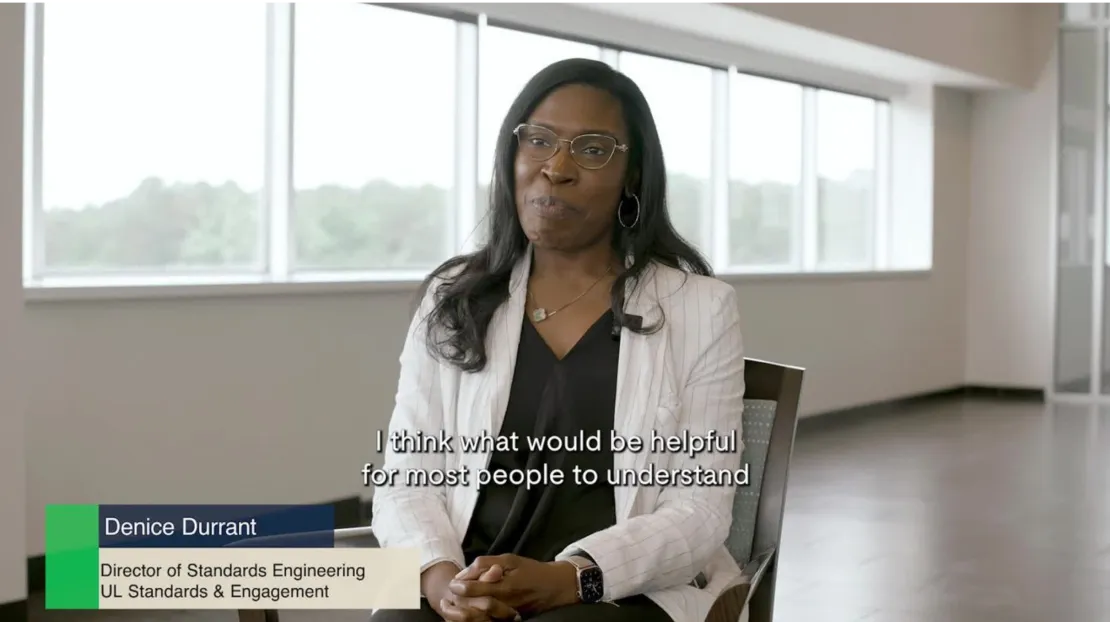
[565, 582]
[434, 580]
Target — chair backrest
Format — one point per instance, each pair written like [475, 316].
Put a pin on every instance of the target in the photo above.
[770, 420]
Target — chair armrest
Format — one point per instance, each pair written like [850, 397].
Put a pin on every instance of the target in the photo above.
[734, 598]
[756, 568]
[351, 537]
[356, 538]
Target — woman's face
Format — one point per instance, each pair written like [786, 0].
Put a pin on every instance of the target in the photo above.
[561, 204]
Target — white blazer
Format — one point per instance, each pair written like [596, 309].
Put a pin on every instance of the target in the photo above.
[687, 376]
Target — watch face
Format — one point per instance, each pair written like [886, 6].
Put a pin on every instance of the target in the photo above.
[589, 581]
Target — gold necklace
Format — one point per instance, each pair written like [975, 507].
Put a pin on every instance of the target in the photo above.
[540, 314]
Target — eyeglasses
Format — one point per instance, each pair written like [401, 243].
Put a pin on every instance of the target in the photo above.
[590, 151]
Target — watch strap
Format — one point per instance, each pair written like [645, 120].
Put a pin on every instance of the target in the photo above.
[581, 562]
[581, 553]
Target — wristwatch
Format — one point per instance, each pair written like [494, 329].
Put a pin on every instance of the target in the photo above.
[591, 587]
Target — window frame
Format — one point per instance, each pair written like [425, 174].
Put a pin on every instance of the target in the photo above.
[277, 273]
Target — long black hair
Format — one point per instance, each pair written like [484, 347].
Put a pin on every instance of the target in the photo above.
[472, 287]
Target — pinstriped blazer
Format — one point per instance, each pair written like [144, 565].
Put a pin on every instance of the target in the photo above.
[687, 376]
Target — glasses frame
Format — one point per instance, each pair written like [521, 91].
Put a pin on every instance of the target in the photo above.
[623, 148]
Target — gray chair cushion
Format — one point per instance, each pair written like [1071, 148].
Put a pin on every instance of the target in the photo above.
[759, 417]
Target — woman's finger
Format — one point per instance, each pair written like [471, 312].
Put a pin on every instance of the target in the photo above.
[492, 607]
[473, 589]
[470, 573]
[492, 575]
[453, 612]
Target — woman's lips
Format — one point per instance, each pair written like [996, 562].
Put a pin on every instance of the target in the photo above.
[552, 207]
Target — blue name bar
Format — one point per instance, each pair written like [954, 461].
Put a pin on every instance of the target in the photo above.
[212, 526]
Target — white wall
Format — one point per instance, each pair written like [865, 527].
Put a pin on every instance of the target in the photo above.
[13, 511]
[1010, 298]
[274, 398]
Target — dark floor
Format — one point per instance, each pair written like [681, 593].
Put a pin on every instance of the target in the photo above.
[953, 511]
[962, 511]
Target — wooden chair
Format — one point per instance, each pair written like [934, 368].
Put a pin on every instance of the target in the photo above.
[770, 421]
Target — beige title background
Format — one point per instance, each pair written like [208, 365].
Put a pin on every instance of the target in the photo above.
[392, 579]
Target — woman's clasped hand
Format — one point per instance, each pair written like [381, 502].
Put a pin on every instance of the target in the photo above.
[454, 608]
[503, 587]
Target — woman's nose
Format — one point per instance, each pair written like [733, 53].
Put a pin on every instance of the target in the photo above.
[561, 168]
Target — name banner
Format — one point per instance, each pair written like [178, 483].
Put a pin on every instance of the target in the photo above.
[217, 557]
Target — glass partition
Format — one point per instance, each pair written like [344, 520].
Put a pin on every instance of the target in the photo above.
[1079, 189]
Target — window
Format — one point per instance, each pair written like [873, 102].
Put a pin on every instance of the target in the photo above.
[681, 99]
[355, 141]
[152, 146]
[765, 178]
[845, 180]
[373, 142]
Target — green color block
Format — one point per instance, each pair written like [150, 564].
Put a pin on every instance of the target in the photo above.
[72, 557]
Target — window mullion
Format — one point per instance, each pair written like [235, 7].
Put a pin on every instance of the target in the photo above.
[611, 56]
[716, 230]
[881, 219]
[276, 231]
[807, 224]
[464, 212]
[34, 216]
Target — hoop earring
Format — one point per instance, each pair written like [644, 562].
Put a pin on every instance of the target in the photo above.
[620, 216]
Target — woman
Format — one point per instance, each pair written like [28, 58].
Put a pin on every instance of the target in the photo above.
[584, 314]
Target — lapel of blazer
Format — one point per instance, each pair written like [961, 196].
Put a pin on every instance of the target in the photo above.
[484, 395]
[504, 341]
[490, 395]
[643, 379]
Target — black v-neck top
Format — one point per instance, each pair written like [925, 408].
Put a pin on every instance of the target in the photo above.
[550, 396]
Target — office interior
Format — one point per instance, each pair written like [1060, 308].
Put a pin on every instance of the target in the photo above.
[910, 200]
